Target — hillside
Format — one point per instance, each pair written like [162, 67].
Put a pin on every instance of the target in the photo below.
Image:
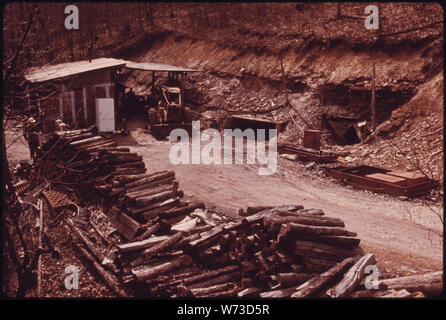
[292, 62]
[296, 74]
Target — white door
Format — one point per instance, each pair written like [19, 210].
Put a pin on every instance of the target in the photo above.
[105, 114]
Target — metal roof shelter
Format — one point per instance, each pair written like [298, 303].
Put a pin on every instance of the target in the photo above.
[86, 87]
[62, 70]
[157, 67]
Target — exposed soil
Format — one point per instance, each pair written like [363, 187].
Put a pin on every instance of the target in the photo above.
[305, 81]
[403, 234]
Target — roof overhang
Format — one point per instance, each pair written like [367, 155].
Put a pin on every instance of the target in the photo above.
[157, 67]
[64, 70]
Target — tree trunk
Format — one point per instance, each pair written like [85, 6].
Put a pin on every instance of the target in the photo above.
[431, 284]
[317, 283]
[153, 271]
[352, 278]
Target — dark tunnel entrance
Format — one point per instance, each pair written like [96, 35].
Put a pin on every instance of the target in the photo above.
[246, 122]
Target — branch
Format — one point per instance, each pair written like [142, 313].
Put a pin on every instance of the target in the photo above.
[12, 65]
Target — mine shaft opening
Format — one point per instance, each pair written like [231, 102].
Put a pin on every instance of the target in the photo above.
[352, 106]
[244, 123]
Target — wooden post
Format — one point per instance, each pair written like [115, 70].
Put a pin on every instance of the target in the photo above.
[39, 261]
[373, 100]
[181, 100]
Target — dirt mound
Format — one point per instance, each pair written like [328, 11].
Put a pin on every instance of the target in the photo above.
[412, 139]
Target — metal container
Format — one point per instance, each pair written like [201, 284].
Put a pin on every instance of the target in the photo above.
[312, 139]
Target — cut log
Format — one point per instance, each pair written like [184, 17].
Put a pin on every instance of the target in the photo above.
[185, 225]
[314, 231]
[341, 241]
[149, 212]
[221, 294]
[129, 178]
[125, 225]
[206, 238]
[117, 153]
[149, 231]
[306, 212]
[109, 278]
[181, 211]
[94, 147]
[150, 185]
[293, 279]
[270, 221]
[129, 170]
[148, 272]
[403, 293]
[224, 278]
[431, 284]
[321, 251]
[252, 210]
[127, 165]
[126, 157]
[152, 191]
[145, 201]
[315, 284]
[148, 253]
[86, 242]
[151, 178]
[316, 265]
[88, 140]
[279, 293]
[249, 292]
[352, 278]
[142, 244]
[209, 274]
[200, 292]
[77, 137]
[258, 217]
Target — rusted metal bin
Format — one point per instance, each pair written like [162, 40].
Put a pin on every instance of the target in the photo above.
[312, 139]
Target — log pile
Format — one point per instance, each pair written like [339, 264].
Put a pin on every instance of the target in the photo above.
[268, 254]
[170, 247]
[74, 158]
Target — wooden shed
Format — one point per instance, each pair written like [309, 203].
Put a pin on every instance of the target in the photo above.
[76, 90]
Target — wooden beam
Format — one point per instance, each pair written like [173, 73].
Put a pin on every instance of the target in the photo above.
[352, 278]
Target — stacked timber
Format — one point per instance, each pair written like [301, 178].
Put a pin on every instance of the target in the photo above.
[170, 247]
[267, 253]
[74, 157]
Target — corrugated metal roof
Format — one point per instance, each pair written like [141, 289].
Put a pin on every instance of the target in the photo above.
[53, 72]
[158, 67]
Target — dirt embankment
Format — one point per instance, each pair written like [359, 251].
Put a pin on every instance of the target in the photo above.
[300, 84]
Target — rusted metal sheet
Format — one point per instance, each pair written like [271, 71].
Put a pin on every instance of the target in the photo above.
[344, 129]
[56, 199]
[383, 181]
[317, 156]
[63, 70]
[22, 188]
